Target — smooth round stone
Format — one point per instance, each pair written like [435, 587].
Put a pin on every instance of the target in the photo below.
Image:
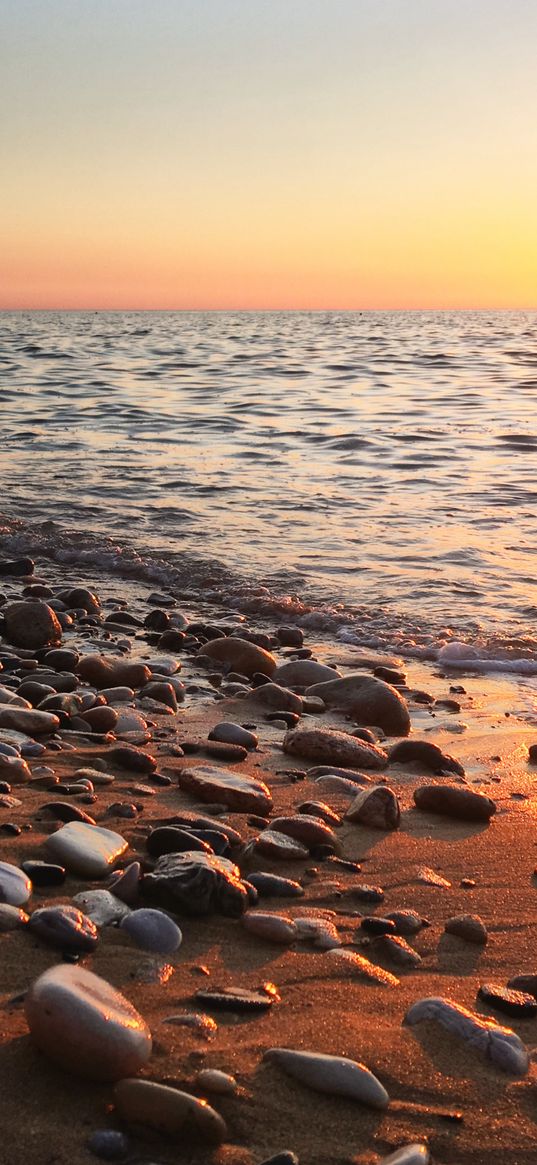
[44, 873]
[87, 850]
[212, 1080]
[153, 930]
[64, 927]
[272, 886]
[276, 928]
[11, 917]
[408, 1155]
[15, 886]
[85, 1026]
[469, 927]
[230, 733]
[163, 667]
[168, 1110]
[102, 907]
[31, 624]
[333, 1075]
[108, 1144]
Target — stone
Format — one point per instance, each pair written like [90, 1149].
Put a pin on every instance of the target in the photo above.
[237, 999]
[87, 850]
[108, 672]
[153, 930]
[455, 801]
[30, 722]
[279, 846]
[125, 884]
[14, 769]
[374, 925]
[320, 809]
[498, 1044]
[277, 697]
[31, 624]
[308, 830]
[376, 807]
[80, 597]
[327, 745]
[303, 673]
[519, 1004]
[426, 755]
[170, 839]
[275, 928]
[409, 1155]
[108, 1144]
[240, 655]
[101, 906]
[240, 793]
[101, 719]
[333, 1075]
[163, 693]
[356, 964]
[219, 750]
[319, 931]
[407, 921]
[234, 734]
[197, 884]
[66, 811]
[170, 1111]
[64, 927]
[396, 948]
[431, 878]
[11, 917]
[272, 886]
[350, 776]
[368, 700]
[212, 1080]
[133, 759]
[85, 1026]
[469, 927]
[191, 820]
[15, 886]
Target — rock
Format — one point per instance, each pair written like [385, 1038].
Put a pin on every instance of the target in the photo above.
[101, 906]
[108, 1144]
[500, 1045]
[11, 917]
[103, 671]
[221, 1083]
[275, 928]
[519, 1004]
[290, 636]
[425, 754]
[30, 722]
[15, 886]
[16, 567]
[454, 801]
[368, 700]
[153, 931]
[327, 745]
[407, 921]
[219, 750]
[125, 884]
[320, 809]
[240, 655]
[101, 719]
[31, 624]
[80, 597]
[15, 770]
[396, 949]
[66, 811]
[236, 999]
[163, 693]
[352, 776]
[85, 1026]
[87, 850]
[168, 1110]
[200, 821]
[374, 925]
[279, 846]
[302, 673]
[64, 927]
[197, 883]
[242, 794]
[532, 753]
[358, 965]
[469, 927]
[376, 807]
[408, 1155]
[332, 1075]
[319, 931]
[279, 698]
[371, 894]
[133, 759]
[308, 830]
[170, 839]
[527, 983]
[234, 734]
[272, 886]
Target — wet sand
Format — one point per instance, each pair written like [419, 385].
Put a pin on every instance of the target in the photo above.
[442, 1093]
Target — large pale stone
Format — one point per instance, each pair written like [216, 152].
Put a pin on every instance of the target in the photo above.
[326, 745]
[87, 850]
[334, 1075]
[277, 698]
[15, 886]
[240, 655]
[242, 794]
[168, 1110]
[369, 700]
[85, 1026]
[31, 625]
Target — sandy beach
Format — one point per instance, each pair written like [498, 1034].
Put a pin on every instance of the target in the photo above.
[442, 1092]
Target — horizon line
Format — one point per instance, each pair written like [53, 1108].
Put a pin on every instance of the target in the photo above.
[264, 310]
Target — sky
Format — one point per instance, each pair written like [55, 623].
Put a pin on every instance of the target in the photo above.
[301, 154]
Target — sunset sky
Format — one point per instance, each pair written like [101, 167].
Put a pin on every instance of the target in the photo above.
[268, 153]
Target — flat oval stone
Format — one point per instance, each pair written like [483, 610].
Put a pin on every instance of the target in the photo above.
[375, 925]
[274, 928]
[168, 1110]
[15, 886]
[272, 886]
[455, 801]
[425, 754]
[235, 999]
[240, 793]
[319, 931]
[84, 849]
[518, 1004]
[279, 846]
[31, 722]
[526, 983]
[153, 930]
[320, 809]
[333, 1075]
[66, 811]
[327, 745]
[231, 733]
[85, 1026]
[241, 655]
[170, 839]
[64, 927]
[101, 906]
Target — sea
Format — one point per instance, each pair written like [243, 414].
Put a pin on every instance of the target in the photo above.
[372, 475]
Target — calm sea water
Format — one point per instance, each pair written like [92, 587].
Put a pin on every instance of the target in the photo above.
[383, 461]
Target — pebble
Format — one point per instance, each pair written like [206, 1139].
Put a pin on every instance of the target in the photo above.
[101, 906]
[499, 1044]
[397, 949]
[33, 722]
[372, 924]
[31, 624]
[235, 999]
[368, 700]
[64, 927]
[153, 930]
[242, 794]
[308, 830]
[516, 1003]
[14, 769]
[431, 878]
[455, 801]
[125, 884]
[426, 755]
[168, 1110]
[86, 1026]
[304, 673]
[197, 883]
[286, 1157]
[358, 965]
[212, 1080]
[376, 807]
[203, 1025]
[231, 733]
[240, 655]
[15, 886]
[11, 917]
[280, 847]
[87, 850]
[170, 839]
[328, 745]
[275, 928]
[319, 931]
[367, 893]
[469, 927]
[272, 886]
[333, 1075]
[527, 983]
[320, 809]
[108, 1144]
[278, 698]
[407, 921]
[409, 1155]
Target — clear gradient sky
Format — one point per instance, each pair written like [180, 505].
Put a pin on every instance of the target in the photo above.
[268, 153]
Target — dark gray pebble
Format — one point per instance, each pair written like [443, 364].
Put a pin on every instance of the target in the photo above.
[108, 1144]
[508, 1000]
